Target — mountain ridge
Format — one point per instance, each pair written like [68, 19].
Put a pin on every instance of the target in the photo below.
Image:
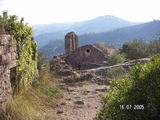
[46, 33]
[146, 31]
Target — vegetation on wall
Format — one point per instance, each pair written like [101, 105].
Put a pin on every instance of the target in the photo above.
[136, 97]
[26, 48]
[36, 94]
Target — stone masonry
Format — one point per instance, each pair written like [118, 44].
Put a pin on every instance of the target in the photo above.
[86, 57]
[8, 57]
[71, 42]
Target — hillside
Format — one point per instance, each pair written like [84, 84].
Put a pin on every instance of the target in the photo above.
[147, 31]
[53, 48]
[51, 32]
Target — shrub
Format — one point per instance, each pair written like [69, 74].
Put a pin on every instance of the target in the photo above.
[141, 88]
[116, 72]
[115, 59]
[135, 49]
[43, 63]
[154, 47]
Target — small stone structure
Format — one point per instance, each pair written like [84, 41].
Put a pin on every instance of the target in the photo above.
[8, 56]
[85, 57]
[71, 42]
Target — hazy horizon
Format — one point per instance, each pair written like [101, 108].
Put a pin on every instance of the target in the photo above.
[62, 11]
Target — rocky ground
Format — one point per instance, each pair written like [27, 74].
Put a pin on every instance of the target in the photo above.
[83, 91]
[81, 102]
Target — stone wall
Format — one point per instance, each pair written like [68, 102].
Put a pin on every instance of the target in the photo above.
[127, 65]
[8, 57]
[86, 57]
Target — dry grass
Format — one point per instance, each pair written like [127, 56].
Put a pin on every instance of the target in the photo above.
[31, 104]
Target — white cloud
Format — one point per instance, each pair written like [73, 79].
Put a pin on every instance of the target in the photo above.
[47, 11]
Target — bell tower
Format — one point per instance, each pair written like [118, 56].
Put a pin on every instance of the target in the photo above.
[71, 42]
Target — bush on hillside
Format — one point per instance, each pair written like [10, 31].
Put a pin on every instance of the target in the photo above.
[154, 47]
[140, 49]
[135, 49]
[142, 88]
[116, 72]
[115, 59]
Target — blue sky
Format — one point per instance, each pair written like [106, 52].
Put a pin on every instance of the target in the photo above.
[55, 11]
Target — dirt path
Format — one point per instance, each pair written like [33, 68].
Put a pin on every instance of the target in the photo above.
[79, 103]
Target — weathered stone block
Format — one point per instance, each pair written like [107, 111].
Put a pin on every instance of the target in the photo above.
[12, 48]
[13, 64]
[1, 69]
[1, 50]
[13, 55]
[8, 57]
[4, 39]
[3, 59]
[12, 42]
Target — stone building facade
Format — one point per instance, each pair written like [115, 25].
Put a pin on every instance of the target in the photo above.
[8, 56]
[71, 42]
[85, 57]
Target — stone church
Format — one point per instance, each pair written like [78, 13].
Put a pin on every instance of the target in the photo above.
[84, 57]
[80, 57]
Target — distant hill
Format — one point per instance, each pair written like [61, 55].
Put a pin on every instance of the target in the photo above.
[51, 32]
[53, 48]
[147, 31]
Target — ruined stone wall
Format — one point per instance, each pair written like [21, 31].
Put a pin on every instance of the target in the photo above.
[8, 57]
[71, 42]
[86, 57]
